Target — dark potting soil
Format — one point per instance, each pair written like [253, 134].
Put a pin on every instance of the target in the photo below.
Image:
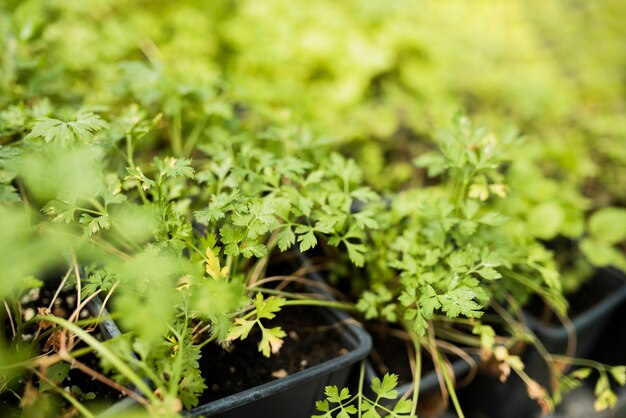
[590, 293]
[310, 341]
[87, 386]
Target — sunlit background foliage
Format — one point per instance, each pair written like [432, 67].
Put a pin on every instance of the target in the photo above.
[370, 79]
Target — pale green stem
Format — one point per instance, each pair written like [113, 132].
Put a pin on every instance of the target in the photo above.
[105, 353]
[360, 393]
[80, 407]
[418, 369]
[449, 385]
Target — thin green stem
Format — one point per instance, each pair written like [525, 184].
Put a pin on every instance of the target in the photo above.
[194, 136]
[129, 150]
[582, 362]
[324, 303]
[449, 384]
[98, 205]
[104, 351]
[417, 346]
[205, 342]
[177, 136]
[79, 407]
[360, 393]
[459, 337]
[175, 380]
[93, 212]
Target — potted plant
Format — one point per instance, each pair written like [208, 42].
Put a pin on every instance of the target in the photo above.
[101, 187]
[446, 254]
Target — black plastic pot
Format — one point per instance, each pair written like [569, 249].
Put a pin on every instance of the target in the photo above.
[292, 396]
[489, 398]
[589, 324]
[295, 395]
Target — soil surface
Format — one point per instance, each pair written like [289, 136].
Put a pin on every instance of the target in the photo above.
[310, 340]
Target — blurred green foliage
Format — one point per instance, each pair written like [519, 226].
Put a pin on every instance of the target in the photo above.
[123, 121]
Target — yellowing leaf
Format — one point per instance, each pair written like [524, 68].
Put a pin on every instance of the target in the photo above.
[213, 267]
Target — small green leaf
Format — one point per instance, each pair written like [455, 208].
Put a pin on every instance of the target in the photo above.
[241, 329]
[286, 238]
[307, 241]
[61, 211]
[171, 167]
[56, 374]
[371, 413]
[429, 301]
[267, 308]
[488, 273]
[493, 219]
[404, 406]
[581, 373]
[546, 220]
[257, 250]
[55, 130]
[386, 387]
[8, 194]
[322, 406]
[335, 396]
[93, 225]
[271, 341]
[460, 301]
[345, 413]
[356, 253]
[608, 225]
[619, 374]
[602, 254]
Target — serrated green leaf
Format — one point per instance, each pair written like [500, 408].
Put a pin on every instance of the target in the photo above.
[286, 238]
[171, 167]
[386, 387]
[271, 340]
[60, 211]
[428, 304]
[322, 406]
[345, 413]
[371, 413]
[460, 301]
[8, 194]
[55, 130]
[94, 225]
[307, 240]
[356, 253]
[256, 249]
[365, 220]
[403, 406]
[335, 396]
[241, 329]
[267, 308]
